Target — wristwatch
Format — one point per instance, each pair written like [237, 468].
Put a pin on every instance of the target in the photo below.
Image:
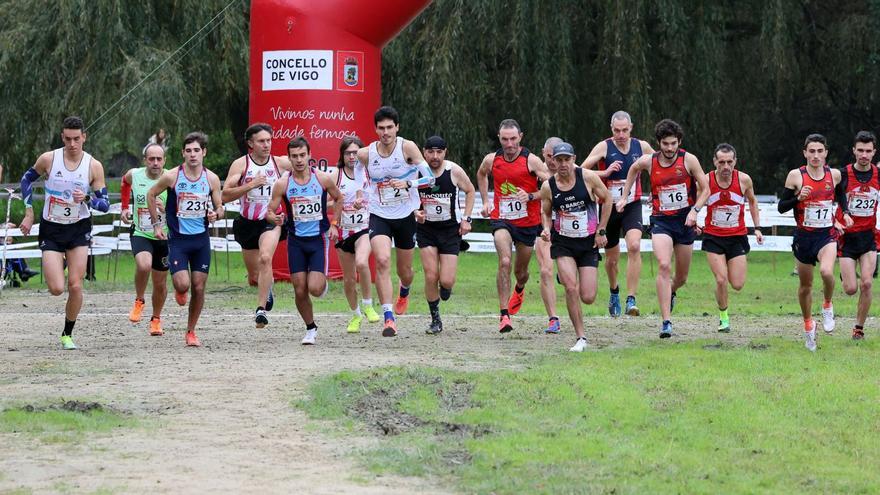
[696, 209]
[531, 197]
[468, 220]
[601, 232]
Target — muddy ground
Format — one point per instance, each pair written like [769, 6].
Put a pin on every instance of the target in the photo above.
[220, 418]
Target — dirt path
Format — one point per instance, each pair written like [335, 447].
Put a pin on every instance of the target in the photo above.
[220, 417]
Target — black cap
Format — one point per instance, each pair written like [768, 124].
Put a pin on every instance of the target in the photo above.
[435, 142]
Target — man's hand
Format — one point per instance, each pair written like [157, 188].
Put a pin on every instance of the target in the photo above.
[27, 222]
[420, 216]
[691, 220]
[398, 184]
[521, 195]
[258, 180]
[545, 235]
[620, 205]
[125, 216]
[805, 193]
[333, 232]
[159, 232]
[600, 241]
[759, 237]
[212, 216]
[78, 196]
[464, 228]
[487, 208]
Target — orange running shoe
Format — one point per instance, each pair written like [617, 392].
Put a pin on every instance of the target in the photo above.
[401, 304]
[390, 329]
[156, 327]
[181, 298]
[504, 325]
[192, 340]
[515, 301]
[135, 315]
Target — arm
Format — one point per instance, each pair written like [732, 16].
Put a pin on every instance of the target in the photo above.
[840, 196]
[125, 197]
[538, 167]
[792, 192]
[749, 192]
[40, 168]
[164, 182]
[216, 197]
[414, 157]
[231, 188]
[360, 176]
[596, 155]
[546, 210]
[483, 184]
[463, 183]
[100, 200]
[643, 163]
[277, 194]
[602, 196]
[329, 185]
[646, 148]
[692, 164]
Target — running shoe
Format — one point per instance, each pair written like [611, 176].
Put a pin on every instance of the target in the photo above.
[181, 298]
[504, 325]
[192, 340]
[260, 318]
[371, 314]
[390, 329]
[135, 315]
[553, 326]
[666, 330]
[858, 334]
[828, 319]
[435, 328]
[515, 301]
[580, 345]
[354, 324]
[614, 305]
[311, 335]
[156, 327]
[401, 304]
[270, 300]
[724, 325]
[672, 302]
[631, 308]
[810, 337]
[67, 343]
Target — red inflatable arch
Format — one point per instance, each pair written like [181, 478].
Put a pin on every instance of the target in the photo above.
[315, 71]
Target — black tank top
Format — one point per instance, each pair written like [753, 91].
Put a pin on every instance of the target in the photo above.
[439, 201]
[576, 212]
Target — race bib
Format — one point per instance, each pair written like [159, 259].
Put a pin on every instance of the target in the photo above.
[354, 219]
[437, 210]
[261, 194]
[61, 211]
[145, 222]
[511, 208]
[818, 214]
[192, 205]
[674, 197]
[862, 204]
[616, 188]
[725, 217]
[307, 209]
[389, 196]
[574, 224]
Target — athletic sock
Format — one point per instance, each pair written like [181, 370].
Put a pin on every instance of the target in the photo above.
[505, 312]
[357, 311]
[260, 308]
[808, 324]
[826, 305]
[139, 299]
[518, 289]
[554, 318]
[722, 313]
[404, 291]
[616, 290]
[366, 302]
[860, 327]
[445, 293]
[311, 326]
[434, 307]
[68, 327]
[389, 313]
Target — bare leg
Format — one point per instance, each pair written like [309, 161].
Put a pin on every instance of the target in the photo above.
[199, 279]
[663, 252]
[568, 275]
[143, 266]
[301, 295]
[431, 267]
[362, 252]
[867, 262]
[268, 243]
[718, 265]
[76, 270]
[504, 248]
[160, 291]
[548, 280]
[381, 245]
[633, 260]
[349, 277]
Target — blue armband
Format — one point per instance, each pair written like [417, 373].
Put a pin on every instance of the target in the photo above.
[100, 201]
[27, 189]
[427, 179]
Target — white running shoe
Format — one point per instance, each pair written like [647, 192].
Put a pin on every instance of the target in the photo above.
[580, 345]
[828, 319]
[810, 338]
[310, 337]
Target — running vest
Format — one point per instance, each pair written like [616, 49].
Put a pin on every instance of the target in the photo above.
[816, 212]
[576, 212]
[617, 180]
[59, 186]
[255, 202]
[306, 206]
[186, 207]
[672, 188]
[440, 201]
[506, 178]
[141, 220]
[353, 220]
[861, 197]
[726, 208]
[386, 201]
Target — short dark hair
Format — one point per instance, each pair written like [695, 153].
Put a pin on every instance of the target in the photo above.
[196, 137]
[299, 142]
[344, 144]
[384, 113]
[509, 124]
[73, 122]
[666, 128]
[865, 137]
[255, 128]
[815, 138]
[725, 148]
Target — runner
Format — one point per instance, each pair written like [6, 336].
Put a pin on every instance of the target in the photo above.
[514, 213]
[575, 231]
[353, 246]
[150, 253]
[811, 191]
[440, 230]
[391, 166]
[725, 238]
[304, 194]
[613, 158]
[679, 190]
[251, 178]
[861, 181]
[74, 183]
[193, 201]
[542, 252]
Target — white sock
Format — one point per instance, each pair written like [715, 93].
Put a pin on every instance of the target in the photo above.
[366, 302]
[357, 311]
[387, 307]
